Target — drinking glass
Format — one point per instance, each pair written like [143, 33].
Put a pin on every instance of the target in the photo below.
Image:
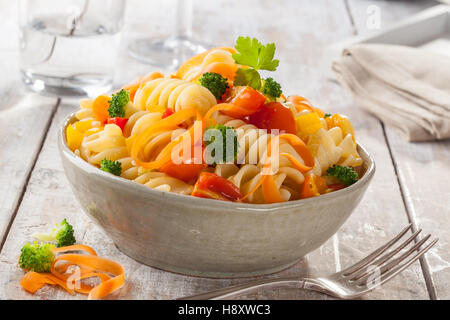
[69, 47]
[169, 53]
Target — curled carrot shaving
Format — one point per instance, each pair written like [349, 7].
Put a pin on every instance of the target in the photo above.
[217, 107]
[135, 85]
[271, 193]
[270, 190]
[301, 149]
[89, 265]
[266, 172]
[76, 247]
[168, 123]
[33, 281]
[103, 265]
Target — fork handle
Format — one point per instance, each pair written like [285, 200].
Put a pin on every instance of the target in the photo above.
[239, 289]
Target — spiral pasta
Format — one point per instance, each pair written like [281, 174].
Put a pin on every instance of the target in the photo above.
[175, 94]
[215, 60]
[329, 145]
[252, 152]
[141, 132]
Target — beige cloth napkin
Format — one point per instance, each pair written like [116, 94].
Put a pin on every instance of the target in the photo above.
[408, 88]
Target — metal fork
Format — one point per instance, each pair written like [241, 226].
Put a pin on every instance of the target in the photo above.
[353, 282]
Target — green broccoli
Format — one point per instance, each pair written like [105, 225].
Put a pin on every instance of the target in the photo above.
[271, 89]
[62, 235]
[228, 134]
[346, 175]
[113, 167]
[326, 115]
[37, 257]
[215, 83]
[118, 103]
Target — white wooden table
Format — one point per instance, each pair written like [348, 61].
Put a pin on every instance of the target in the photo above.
[411, 183]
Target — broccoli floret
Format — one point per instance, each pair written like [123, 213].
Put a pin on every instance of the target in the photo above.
[326, 115]
[215, 83]
[118, 103]
[346, 175]
[271, 89]
[61, 235]
[37, 257]
[114, 167]
[64, 236]
[210, 137]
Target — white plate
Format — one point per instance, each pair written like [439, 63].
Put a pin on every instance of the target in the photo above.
[428, 29]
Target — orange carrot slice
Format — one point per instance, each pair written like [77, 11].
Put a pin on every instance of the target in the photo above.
[76, 247]
[197, 60]
[270, 190]
[100, 108]
[102, 265]
[168, 123]
[134, 86]
[224, 69]
[33, 281]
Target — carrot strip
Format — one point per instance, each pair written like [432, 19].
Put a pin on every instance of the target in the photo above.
[266, 169]
[300, 147]
[135, 85]
[297, 164]
[33, 281]
[76, 247]
[100, 108]
[100, 264]
[217, 107]
[165, 124]
[270, 190]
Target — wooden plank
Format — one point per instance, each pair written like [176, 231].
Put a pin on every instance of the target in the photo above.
[427, 203]
[24, 120]
[300, 44]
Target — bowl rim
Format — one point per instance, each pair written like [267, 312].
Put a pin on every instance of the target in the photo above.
[204, 202]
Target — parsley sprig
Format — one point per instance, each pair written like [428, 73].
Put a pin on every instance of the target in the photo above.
[256, 56]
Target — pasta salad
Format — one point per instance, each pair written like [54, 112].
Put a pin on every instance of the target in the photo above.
[217, 129]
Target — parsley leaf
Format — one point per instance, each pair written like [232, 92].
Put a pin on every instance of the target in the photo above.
[248, 77]
[253, 54]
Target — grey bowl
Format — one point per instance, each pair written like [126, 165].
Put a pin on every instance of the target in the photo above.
[203, 237]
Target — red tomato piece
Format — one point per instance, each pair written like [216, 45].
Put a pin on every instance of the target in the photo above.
[336, 186]
[274, 115]
[121, 122]
[167, 113]
[245, 101]
[186, 171]
[210, 185]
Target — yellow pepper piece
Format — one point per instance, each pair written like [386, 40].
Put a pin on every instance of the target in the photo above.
[74, 137]
[337, 120]
[83, 125]
[308, 123]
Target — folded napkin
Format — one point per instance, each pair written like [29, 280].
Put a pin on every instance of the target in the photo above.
[406, 87]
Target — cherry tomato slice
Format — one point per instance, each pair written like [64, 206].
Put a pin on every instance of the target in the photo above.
[336, 186]
[186, 171]
[274, 115]
[246, 101]
[313, 186]
[121, 122]
[210, 185]
[167, 113]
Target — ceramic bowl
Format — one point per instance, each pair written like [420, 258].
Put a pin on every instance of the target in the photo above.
[203, 237]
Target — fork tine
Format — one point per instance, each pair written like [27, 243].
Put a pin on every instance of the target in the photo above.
[374, 254]
[395, 262]
[379, 261]
[400, 267]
